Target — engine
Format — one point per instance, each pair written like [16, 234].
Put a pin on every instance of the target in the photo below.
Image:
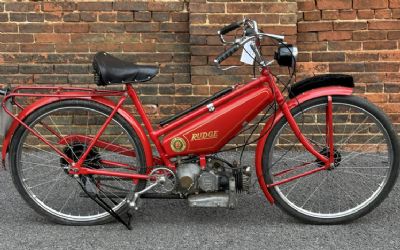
[215, 178]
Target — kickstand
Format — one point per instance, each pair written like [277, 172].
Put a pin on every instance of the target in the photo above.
[96, 198]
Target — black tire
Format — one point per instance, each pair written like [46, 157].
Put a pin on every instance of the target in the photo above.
[41, 114]
[311, 213]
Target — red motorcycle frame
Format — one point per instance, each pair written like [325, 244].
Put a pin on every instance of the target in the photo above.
[262, 91]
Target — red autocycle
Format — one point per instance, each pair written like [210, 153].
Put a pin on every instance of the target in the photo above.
[78, 157]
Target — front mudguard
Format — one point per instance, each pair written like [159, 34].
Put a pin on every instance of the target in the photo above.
[101, 100]
[292, 103]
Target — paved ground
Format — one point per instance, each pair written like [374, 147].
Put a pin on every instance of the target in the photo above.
[171, 224]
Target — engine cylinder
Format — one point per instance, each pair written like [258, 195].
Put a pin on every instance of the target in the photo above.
[187, 174]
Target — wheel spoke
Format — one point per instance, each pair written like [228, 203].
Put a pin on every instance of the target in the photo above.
[363, 156]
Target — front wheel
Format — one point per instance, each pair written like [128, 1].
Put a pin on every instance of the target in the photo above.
[366, 153]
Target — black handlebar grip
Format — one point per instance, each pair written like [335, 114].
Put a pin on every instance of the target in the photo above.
[227, 53]
[230, 27]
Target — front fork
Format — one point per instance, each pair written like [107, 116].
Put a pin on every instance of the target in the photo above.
[328, 161]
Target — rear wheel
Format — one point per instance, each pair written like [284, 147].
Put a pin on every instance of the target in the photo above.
[366, 153]
[41, 176]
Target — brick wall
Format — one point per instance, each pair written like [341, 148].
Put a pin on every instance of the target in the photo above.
[54, 42]
[358, 37]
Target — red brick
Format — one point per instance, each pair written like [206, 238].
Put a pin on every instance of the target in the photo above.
[35, 17]
[307, 37]
[107, 17]
[306, 5]
[35, 28]
[142, 27]
[330, 14]
[370, 4]
[380, 45]
[71, 17]
[174, 27]
[124, 16]
[71, 28]
[107, 28]
[314, 26]
[334, 5]
[110, 47]
[90, 38]
[284, 7]
[396, 14]
[390, 56]
[9, 47]
[334, 35]
[383, 14]
[394, 35]
[223, 18]
[207, 8]
[394, 4]
[37, 48]
[144, 16]
[362, 57]
[315, 46]
[365, 14]
[356, 25]
[369, 35]
[22, 6]
[179, 17]
[165, 6]
[312, 15]
[125, 6]
[8, 27]
[76, 47]
[382, 67]
[139, 47]
[287, 19]
[343, 45]
[90, 6]
[244, 7]
[347, 14]
[328, 57]
[384, 25]
[312, 67]
[347, 67]
[17, 38]
[51, 38]
[53, 16]
[58, 6]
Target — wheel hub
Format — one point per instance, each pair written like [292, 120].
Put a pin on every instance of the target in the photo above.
[76, 150]
[337, 158]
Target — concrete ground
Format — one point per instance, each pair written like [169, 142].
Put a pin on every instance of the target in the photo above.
[170, 224]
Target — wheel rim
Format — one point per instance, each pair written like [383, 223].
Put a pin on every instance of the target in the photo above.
[53, 189]
[351, 186]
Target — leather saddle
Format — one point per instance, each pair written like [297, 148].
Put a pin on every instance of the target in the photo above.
[111, 70]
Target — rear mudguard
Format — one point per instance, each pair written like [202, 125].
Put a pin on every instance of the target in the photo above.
[292, 103]
[101, 100]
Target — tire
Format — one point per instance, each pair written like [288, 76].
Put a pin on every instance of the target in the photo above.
[41, 177]
[366, 161]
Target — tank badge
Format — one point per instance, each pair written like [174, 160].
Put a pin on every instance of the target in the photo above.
[178, 144]
[205, 135]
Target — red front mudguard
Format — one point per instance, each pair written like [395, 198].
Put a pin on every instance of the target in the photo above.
[292, 103]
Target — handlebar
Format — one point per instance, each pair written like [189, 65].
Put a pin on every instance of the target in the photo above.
[227, 53]
[251, 32]
[230, 27]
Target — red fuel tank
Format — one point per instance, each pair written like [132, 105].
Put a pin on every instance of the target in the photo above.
[210, 132]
